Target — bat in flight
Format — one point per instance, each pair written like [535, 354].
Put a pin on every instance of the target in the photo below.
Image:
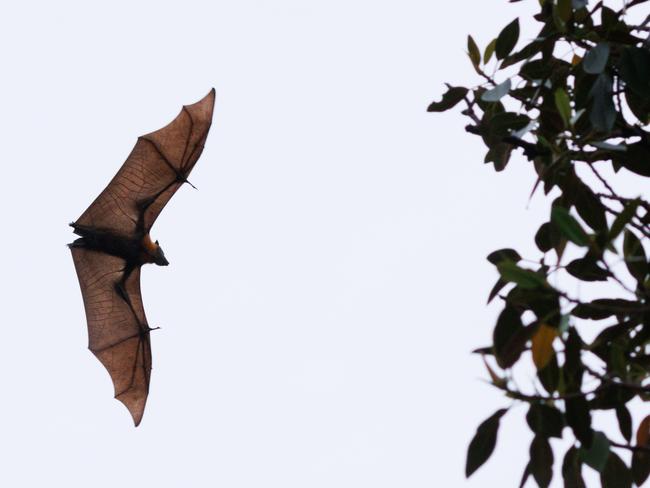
[114, 243]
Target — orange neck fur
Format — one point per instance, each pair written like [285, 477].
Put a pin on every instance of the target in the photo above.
[149, 245]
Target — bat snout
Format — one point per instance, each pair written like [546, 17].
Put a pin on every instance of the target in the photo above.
[159, 257]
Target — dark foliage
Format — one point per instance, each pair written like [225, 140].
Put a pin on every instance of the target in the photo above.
[575, 100]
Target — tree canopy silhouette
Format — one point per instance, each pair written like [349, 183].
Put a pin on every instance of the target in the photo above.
[575, 100]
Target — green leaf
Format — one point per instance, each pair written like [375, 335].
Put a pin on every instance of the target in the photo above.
[526, 52]
[563, 105]
[544, 237]
[624, 421]
[623, 218]
[549, 376]
[616, 474]
[505, 123]
[499, 154]
[507, 39]
[587, 269]
[602, 308]
[639, 105]
[498, 92]
[505, 254]
[450, 98]
[635, 258]
[617, 361]
[640, 467]
[525, 475]
[636, 158]
[606, 336]
[590, 208]
[609, 17]
[572, 469]
[572, 373]
[489, 51]
[597, 454]
[584, 311]
[568, 226]
[542, 301]
[536, 70]
[541, 461]
[564, 9]
[473, 51]
[603, 112]
[498, 286]
[560, 25]
[545, 420]
[565, 322]
[577, 115]
[634, 68]
[506, 337]
[525, 278]
[578, 417]
[596, 58]
[482, 445]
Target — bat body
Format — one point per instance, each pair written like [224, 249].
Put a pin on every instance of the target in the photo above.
[135, 251]
[114, 243]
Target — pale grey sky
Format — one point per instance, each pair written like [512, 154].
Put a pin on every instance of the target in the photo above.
[327, 281]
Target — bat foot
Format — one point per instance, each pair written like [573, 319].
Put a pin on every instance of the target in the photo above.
[81, 242]
[183, 179]
[145, 330]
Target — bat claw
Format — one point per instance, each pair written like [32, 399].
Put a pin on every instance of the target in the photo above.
[185, 180]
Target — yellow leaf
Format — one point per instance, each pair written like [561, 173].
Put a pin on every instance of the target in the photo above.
[543, 345]
[643, 434]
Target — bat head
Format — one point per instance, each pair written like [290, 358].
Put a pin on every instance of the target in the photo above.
[159, 256]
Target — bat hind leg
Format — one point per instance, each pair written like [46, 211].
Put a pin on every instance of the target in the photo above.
[80, 242]
[80, 230]
[120, 289]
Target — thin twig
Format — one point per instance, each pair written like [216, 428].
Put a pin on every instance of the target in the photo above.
[542, 398]
[602, 179]
[627, 6]
[644, 229]
[630, 447]
[622, 384]
[625, 200]
[616, 278]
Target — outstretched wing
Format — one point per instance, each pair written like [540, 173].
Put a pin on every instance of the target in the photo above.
[118, 334]
[158, 165]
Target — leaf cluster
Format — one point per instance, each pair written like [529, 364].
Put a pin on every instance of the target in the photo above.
[575, 99]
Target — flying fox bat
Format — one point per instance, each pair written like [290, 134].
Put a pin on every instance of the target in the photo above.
[115, 243]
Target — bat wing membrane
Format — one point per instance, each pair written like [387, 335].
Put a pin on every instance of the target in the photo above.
[118, 333]
[157, 166]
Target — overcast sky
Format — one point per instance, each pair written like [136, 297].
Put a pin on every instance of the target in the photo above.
[328, 279]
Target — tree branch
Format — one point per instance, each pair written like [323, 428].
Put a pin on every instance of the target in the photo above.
[622, 384]
[629, 447]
